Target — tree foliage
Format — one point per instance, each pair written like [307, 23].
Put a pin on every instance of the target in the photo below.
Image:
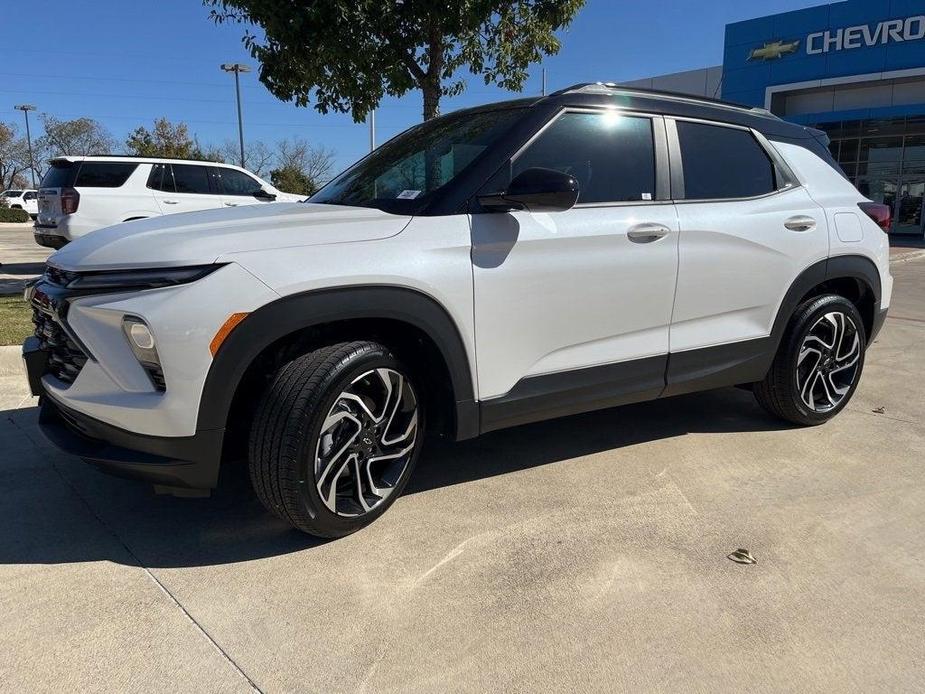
[301, 168]
[14, 158]
[81, 136]
[165, 139]
[348, 54]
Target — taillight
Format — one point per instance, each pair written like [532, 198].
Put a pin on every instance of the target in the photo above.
[880, 213]
[70, 199]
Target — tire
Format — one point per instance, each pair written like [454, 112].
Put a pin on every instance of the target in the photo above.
[811, 389]
[328, 415]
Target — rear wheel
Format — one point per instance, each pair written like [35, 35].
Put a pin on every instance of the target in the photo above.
[335, 438]
[818, 364]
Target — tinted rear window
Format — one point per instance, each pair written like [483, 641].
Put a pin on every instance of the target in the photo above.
[103, 174]
[721, 163]
[190, 178]
[60, 175]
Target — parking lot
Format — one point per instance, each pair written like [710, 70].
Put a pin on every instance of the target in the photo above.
[20, 257]
[585, 553]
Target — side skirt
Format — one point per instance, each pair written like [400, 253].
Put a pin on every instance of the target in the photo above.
[538, 398]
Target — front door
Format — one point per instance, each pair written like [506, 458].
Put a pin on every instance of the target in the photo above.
[909, 206]
[589, 287]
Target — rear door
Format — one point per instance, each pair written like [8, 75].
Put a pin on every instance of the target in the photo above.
[748, 229]
[183, 188]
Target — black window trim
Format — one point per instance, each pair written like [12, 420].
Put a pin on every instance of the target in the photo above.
[659, 140]
[784, 177]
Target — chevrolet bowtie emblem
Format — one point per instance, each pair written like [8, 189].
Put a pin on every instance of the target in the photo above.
[774, 50]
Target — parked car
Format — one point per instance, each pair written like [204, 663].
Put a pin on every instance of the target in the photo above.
[81, 194]
[22, 200]
[496, 266]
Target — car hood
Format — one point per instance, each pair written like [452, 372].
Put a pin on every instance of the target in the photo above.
[198, 238]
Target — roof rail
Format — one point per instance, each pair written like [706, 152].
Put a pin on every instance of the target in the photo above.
[613, 88]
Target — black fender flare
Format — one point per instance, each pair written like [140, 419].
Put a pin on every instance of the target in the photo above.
[284, 316]
[837, 267]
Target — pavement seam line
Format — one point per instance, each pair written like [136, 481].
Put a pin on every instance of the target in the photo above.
[145, 569]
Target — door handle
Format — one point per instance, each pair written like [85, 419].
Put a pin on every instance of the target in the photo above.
[800, 223]
[647, 233]
[170, 202]
[231, 204]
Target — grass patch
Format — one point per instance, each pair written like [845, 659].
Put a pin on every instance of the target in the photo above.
[15, 320]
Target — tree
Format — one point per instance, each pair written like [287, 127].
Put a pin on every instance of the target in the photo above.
[14, 158]
[165, 139]
[351, 53]
[290, 179]
[82, 136]
[301, 168]
[258, 157]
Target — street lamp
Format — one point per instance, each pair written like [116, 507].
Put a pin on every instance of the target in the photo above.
[25, 108]
[237, 69]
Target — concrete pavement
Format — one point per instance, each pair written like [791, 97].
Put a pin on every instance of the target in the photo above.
[21, 258]
[585, 553]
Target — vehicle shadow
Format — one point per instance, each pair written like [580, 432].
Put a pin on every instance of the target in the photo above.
[59, 510]
[13, 276]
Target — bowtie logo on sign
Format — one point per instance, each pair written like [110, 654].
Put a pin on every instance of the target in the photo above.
[847, 38]
[774, 50]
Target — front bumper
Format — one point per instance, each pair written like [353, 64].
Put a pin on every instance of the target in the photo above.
[190, 462]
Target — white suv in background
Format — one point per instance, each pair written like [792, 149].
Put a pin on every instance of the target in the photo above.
[81, 194]
[22, 200]
[493, 267]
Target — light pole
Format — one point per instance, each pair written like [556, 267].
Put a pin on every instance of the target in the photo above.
[25, 108]
[237, 69]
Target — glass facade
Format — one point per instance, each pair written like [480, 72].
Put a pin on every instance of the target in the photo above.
[885, 159]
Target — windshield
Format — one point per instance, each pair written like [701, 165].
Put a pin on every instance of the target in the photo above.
[403, 174]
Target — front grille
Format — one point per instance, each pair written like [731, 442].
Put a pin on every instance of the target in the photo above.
[65, 358]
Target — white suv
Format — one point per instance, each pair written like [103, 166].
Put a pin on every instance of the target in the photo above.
[81, 194]
[493, 267]
[22, 200]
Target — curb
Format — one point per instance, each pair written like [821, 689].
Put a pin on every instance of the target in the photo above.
[11, 361]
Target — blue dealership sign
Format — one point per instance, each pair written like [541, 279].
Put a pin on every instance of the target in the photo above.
[829, 42]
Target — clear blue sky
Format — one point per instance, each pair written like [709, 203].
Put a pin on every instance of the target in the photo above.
[125, 63]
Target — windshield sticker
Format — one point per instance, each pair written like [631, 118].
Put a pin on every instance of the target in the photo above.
[647, 196]
[408, 194]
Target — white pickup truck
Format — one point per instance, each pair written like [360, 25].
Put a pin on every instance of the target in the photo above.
[22, 200]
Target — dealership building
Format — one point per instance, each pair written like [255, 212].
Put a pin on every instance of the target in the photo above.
[854, 69]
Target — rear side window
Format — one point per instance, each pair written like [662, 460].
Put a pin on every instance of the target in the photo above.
[60, 174]
[189, 178]
[103, 174]
[721, 163]
[236, 183]
[611, 155]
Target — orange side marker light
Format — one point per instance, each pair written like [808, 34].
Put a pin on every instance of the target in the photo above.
[225, 331]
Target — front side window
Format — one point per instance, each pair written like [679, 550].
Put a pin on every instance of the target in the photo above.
[721, 163]
[190, 178]
[405, 173]
[29, 196]
[611, 155]
[235, 182]
[103, 174]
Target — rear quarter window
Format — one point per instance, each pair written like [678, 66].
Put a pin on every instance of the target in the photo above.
[103, 174]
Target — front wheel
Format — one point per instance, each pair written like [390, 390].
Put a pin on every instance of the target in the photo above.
[818, 364]
[335, 438]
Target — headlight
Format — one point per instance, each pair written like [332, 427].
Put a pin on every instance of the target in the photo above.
[144, 347]
[139, 279]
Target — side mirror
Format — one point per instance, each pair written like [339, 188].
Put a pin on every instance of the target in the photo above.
[536, 190]
[262, 194]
